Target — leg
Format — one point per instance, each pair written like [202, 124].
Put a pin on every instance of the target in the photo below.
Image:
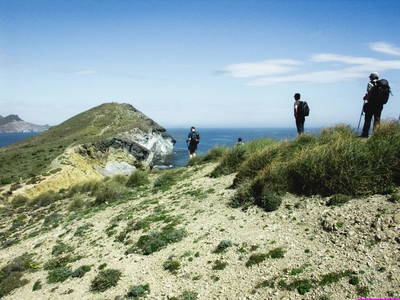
[377, 115]
[367, 124]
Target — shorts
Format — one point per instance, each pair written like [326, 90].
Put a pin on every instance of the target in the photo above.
[192, 148]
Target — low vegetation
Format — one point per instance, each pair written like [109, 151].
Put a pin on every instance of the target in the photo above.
[334, 166]
[334, 163]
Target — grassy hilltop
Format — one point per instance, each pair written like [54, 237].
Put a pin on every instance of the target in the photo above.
[30, 158]
[312, 218]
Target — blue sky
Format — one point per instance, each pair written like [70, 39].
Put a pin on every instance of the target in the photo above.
[222, 63]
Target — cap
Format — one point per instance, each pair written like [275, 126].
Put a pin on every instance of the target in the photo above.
[374, 75]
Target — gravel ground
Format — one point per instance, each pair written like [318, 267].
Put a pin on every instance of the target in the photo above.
[324, 252]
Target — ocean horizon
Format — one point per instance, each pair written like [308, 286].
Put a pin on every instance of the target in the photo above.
[209, 138]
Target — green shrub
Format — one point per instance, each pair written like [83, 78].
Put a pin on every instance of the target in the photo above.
[222, 246]
[60, 248]
[80, 271]
[172, 264]
[105, 279]
[11, 274]
[109, 192]
[219, 265]
[167, 178]
[269, 202]
[338, 199]
[335, 163]
[59, 274]
[45, 199]
[12, 282]
[138, 291]
[255, 259]
[19, 200]
[189, 295]
[76, 203]
[137, 179]
[37, 286]
[276, 253]
[157, 240]
[230, 162]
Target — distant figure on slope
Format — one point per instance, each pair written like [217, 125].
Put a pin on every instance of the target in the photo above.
[194, 140]
[298, 114]
[239, 142]
[373, 108]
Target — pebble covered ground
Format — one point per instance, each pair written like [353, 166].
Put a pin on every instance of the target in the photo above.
[304, 250]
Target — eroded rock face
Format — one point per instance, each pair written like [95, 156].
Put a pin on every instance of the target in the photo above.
[144, 148]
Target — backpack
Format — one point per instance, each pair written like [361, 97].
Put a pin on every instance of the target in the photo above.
[381, 91]
[304, 109]
[195, 137]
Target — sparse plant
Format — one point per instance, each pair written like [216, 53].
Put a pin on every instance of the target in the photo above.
[37, 286]
[138, 291]
[80, 271]
[109, 192]
[138, 178]
[255, 259]
[156, 240]
[172, 264]
[19, 200]
[222, 246]
[45, 199]
[11, 274]
[105, 279]
[189, 295]
[338, 199]
[219, 265]
[59, 274]
[76, 203]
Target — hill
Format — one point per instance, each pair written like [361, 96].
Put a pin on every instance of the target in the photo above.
[13, 124]
[104, 140]
[312, 218]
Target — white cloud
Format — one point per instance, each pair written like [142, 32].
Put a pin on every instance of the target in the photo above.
[264, 68]
[329, 57]
[342, 68]
[384, 47]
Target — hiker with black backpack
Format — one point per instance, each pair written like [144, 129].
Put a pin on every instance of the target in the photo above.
[193, 140]
[301, 111]
[377, 95]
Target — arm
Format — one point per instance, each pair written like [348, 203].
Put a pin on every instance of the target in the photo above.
[368, 93]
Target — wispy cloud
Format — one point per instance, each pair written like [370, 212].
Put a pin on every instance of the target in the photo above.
[331, 68]
[264, 68]
[385, 48]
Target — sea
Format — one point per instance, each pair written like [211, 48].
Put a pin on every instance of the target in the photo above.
[209, 138]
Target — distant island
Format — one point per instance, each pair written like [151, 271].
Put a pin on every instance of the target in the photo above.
[14, 124]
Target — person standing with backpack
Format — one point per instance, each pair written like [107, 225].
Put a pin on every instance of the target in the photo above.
[299, 113]
[372, 108]
[194, 140]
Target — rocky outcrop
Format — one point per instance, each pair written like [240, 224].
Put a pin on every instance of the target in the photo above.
[141, 149]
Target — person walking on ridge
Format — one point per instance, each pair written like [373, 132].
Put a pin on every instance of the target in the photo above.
[298, 114]
[373, 107]
[194, 140]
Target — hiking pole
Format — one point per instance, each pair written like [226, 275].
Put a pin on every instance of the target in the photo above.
[362, 112]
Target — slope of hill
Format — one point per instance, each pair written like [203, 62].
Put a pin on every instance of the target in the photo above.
[186, 242]
[111, 135]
